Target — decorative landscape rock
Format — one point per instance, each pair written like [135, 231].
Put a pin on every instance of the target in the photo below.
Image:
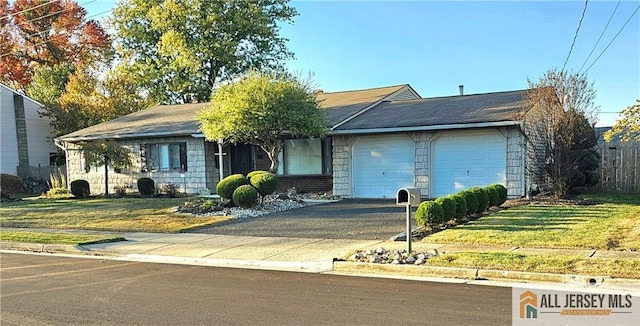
[396, 257]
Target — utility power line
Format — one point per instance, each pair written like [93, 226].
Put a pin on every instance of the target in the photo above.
[28, 9]
[601, 34]
[586, 3]
[613, 39]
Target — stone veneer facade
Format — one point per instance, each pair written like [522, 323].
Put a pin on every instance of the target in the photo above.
[201, 171]
[515, 178]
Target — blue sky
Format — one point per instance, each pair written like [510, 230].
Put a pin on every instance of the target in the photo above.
[436, 46]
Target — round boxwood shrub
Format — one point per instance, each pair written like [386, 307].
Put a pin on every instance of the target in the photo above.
[483, 199]
[245, 196]
[265, 183]
[502, 193]
[80, 188]
[472, 201]
[146, 186]
[429, 213]
[492, 194]
[448, 206]
[10, 184]
[256, 172]
[461, 205]
[228, 185]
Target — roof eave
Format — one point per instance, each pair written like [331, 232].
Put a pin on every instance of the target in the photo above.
[125, 136]
[425, 128]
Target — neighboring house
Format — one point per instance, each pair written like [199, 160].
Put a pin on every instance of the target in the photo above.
[378, 140]
[26, 136]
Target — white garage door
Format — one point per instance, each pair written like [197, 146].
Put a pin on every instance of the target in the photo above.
[462, 160]
[381, 165]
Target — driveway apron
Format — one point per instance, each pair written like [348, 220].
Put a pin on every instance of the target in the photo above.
[361, 219]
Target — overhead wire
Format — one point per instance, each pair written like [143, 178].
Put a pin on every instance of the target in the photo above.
[586, 4]
[613, 39]
[600, 38]
[28, 9]
[44, 42]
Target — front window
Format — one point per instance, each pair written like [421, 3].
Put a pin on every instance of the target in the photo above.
[166, 157]
[304, 157]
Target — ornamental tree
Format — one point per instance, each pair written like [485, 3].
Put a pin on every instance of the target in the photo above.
[261, 108]
[104, 153]
[559, 127]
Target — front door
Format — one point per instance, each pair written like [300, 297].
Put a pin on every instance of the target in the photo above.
[241, 159]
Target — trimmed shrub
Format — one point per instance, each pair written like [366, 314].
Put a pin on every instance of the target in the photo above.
[170, 190]
[483, 199]
[492, 194]
[256, 172]
[10, 184]
[228, 185]
[429, 213]
[146, 186]
[448, 206]
[265, 183]
[245, 196]
[461, 205]
[472, 201]
[502, 193]
[80, 188]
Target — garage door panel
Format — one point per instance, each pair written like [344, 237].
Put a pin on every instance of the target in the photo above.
[463, 160]
[381, 165]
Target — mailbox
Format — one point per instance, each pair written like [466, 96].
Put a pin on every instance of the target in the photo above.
[408, 196]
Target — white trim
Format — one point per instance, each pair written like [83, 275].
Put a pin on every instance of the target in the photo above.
[127, 136]
[24, 96]
[423, 128]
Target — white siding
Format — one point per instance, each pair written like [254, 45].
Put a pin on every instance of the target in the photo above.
[8, 138]
[39, 134]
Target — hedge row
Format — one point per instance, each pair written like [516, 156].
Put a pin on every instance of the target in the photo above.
[467, 202]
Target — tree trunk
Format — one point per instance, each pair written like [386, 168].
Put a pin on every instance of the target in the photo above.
[272, 153]
[106, 176]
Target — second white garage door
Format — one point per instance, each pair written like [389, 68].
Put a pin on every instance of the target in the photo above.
[466, 159]
[382, 165]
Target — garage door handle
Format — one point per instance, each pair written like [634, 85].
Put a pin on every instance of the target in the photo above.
[383, 174]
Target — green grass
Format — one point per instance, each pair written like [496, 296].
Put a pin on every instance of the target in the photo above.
[106, 214]
[56, 237]
[613, 224]
[623, 268]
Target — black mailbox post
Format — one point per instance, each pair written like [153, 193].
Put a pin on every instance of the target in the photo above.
[408, 196]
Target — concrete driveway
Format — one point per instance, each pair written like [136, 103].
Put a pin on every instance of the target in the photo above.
[362, 219]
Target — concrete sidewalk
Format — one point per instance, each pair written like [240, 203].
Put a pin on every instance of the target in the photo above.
[307, 255]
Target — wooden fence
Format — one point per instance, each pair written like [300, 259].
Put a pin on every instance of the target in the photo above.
[620, 166]
[41, 171]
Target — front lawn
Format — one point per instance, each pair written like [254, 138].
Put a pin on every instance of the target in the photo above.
[613, 223]
[106, 214]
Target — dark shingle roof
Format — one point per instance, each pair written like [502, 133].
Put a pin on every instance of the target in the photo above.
[464, 109]
[181, 119]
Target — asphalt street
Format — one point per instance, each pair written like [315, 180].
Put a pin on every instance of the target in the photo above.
[52, 290]
[358, 219]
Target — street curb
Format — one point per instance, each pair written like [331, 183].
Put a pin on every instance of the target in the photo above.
[35, 247]
[477, 274]
[405, 270]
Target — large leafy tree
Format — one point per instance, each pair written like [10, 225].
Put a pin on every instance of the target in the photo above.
[180, 49]
[628, 126]
[76, 98]
[105, 153]
[262, 107]
[36, 33]
[559, 125]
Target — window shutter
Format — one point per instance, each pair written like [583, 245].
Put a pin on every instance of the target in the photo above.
[183, 155]
[143, 157]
